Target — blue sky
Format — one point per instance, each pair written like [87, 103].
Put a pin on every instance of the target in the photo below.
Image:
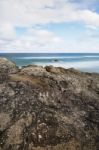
[49, 26]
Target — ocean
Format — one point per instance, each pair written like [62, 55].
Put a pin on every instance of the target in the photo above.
[88, 62]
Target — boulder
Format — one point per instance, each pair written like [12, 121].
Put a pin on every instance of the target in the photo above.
[6, 67]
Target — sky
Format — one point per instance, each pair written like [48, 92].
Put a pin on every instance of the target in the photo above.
[49, 26]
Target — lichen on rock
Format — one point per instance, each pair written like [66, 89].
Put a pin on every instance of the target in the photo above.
[48, 108]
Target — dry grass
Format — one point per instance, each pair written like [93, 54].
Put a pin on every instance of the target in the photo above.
[35, 81]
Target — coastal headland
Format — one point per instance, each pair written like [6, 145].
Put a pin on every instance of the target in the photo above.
[48, 108]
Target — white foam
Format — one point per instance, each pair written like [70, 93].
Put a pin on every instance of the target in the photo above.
[58, 57]
[51, 57]
[77, 65]
[92, 56]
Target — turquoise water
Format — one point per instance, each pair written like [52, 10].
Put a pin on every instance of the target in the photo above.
[88, 62]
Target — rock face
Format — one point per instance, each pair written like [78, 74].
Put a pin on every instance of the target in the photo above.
[48, 108]
[6, 67]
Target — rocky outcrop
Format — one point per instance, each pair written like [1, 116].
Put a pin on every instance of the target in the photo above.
[48, 108]
[6, 67]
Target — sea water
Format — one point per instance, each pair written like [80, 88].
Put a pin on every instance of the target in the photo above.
[88, 62]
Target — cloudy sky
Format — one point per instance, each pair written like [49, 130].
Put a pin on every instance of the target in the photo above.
[49, 26]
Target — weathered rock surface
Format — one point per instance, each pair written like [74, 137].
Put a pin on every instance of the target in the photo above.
[48, 108]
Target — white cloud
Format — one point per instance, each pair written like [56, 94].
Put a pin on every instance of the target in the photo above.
[91, 27]
[34, 40]
[39, 40]
[29, 12]
[89, 17]
[7, 31]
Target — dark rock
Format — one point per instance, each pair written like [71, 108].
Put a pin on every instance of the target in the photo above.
[48, 108]
[56, 60]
